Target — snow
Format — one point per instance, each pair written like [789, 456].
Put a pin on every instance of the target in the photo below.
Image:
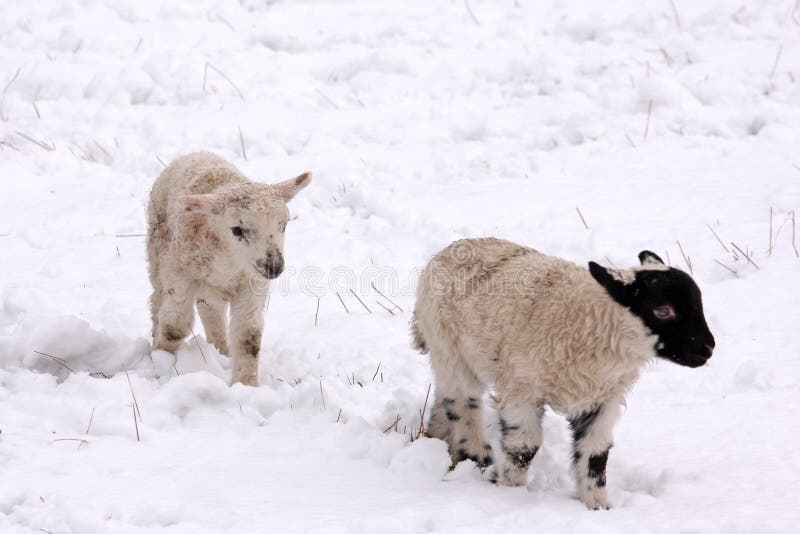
[421, 126]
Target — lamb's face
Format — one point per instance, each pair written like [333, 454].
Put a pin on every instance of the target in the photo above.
[250, 221]
[669, 303]
[255, 235]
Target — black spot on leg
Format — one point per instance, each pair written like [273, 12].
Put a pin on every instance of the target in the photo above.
[522, 458]
[473, 403]
[462, 441]
[505, 428]
[576, 456]
[452, 416]
[462, 454]
[581, 423]
[597, 467]
[447, 401]
[173, 334]
[251, 343]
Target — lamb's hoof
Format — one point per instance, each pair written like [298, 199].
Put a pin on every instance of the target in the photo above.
[595, 499]
[251, 381]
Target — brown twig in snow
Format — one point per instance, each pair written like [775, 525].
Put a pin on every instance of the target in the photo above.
[36, 109]
[471, 14]
[726, 267]
[241, 140]
[746, 255]
[647, 123]
[581, 216]
[421, 430]
[376, 371]
[322, 396]
[130, 235]
[316, 314]
[675, 13]
[393, 424]
[686, 258]
[43, 144]
[135, 424]
[215, 69]
[718, 239]
[342, 301]
[197, 342]
[359, 300]
[161, 162]
[70, 439]
[60, 361]
[628, 137]
[379, 292]
[133, 395]
[775, 64]
[384, 307]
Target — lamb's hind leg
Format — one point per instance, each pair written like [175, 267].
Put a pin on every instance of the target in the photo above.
[212, 312]
[456, 415]
[521, 437]
[591, 434]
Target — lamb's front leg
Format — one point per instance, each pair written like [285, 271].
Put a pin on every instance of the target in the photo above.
[247, 323]
[592, 439]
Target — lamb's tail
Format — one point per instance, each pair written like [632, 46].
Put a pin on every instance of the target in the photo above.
[417, 341]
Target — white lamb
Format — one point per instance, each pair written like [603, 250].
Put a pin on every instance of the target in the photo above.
[211, 231]
[544, 331]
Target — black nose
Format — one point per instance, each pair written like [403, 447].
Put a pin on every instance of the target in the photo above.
[709, 350]
[272, 265]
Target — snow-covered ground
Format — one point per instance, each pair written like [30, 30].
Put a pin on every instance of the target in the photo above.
[423, 122]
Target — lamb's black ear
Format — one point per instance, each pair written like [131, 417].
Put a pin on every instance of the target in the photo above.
[646, 257]
[613, 284]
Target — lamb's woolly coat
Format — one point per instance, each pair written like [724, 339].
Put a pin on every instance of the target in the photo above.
[519, 319]
[543, 332]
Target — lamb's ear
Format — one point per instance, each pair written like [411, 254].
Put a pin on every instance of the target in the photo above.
[289, 188]
[652, 258]
[613, 282]
[208, 203]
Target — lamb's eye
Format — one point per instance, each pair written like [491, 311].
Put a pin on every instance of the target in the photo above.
[237, 231]
[664, 312]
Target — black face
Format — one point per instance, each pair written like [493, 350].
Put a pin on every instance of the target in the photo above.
[669, 303]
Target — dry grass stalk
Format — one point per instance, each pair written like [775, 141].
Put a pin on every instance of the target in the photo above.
[676, 15]
[647, 123]
[718, 239]
[384, 307]
[686, 258]
[316, 315]
[471, 13]
[746, 255]
[775, 64]
[215, 69]
[43, 144]
[339, 415]
[9, 145]
[393, 424]
[135, 424]
[581, 216]
[3, 115]
[628, 137]
[342, 301]
[421, 430]
[60, 361]
[327, 99]
[197, 342]
[726, 267]
[138, 45]
[36, 109]
[161, 162]
[130, 235]
[379, 292]
[359, 300]
[794, 228]
[667, 57]
[322, 397]
[769, 250]
[241, 140]
[83, 441]
[133, 395]
[376, 371]
[669, 262]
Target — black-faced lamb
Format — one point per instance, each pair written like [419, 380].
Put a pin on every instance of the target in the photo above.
[544, 331]
[215, 238]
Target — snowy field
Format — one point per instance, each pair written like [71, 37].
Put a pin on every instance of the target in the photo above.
[423, 122]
